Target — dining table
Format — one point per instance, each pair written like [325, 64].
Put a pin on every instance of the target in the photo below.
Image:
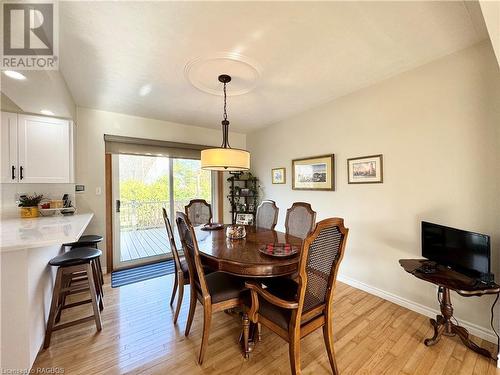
[243, 257]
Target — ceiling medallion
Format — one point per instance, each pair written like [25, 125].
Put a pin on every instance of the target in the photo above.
[244, 71]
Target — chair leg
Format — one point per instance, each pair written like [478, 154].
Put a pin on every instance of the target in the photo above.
[207, 320]
[246, 331]
[328, 337]
[179, 300]
[259, 332]
[174, 289]
[53, 308]
[294, 352]
[192, 308]
[94, 297]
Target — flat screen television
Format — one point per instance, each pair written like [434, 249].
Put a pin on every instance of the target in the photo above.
[465, 252]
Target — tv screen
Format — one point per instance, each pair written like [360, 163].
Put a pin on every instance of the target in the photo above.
[465, 252]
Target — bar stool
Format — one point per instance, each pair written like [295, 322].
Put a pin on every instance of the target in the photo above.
[89, 240]
[83, 262]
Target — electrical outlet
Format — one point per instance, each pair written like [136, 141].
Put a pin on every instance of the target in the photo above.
[98, 190]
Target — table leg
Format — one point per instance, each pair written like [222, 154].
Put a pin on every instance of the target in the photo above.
[443, 325]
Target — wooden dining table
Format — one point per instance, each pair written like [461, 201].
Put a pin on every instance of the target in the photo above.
[242, 257]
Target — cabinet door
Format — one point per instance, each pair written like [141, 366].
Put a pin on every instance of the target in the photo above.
[45, 150]
[8, 144]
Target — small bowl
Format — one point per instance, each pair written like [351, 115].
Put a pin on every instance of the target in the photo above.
[235, 232]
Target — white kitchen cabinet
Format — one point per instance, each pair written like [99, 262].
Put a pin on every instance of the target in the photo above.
[8, 144]
[41, 149]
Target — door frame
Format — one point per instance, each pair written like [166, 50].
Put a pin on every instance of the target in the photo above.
[110, 232]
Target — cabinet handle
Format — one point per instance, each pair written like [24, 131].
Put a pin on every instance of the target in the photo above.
[21, 173]
[13, 172]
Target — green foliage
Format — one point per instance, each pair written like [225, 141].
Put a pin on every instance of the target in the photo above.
[139, 209]
[30, 200]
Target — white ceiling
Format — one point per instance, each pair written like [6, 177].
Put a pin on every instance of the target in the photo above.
[131, 57]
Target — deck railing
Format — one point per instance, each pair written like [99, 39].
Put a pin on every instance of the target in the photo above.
[137, 215]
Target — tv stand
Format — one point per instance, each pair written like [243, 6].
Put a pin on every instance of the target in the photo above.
[446, 280]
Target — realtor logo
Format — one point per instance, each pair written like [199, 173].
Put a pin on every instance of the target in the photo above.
[29, 36]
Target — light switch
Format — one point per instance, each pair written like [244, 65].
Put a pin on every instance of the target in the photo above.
[98, 190]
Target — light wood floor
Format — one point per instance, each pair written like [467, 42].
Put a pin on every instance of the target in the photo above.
[372, 336]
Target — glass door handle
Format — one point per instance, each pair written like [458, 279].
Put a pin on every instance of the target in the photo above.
[118, 204]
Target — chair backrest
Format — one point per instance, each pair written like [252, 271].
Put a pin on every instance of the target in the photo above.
[300, 219]
[199, 212]
[192, 253]
[322, 252]
[267, 215]
[170, 235]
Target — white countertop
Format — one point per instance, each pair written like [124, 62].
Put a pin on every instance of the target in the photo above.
[18, 234]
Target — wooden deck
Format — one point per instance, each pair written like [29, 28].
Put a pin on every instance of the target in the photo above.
[143, 243]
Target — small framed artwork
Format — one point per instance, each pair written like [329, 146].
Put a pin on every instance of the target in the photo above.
[244, 219]
[245, 192]
[365, 170]
[278, 175]
[314, 173]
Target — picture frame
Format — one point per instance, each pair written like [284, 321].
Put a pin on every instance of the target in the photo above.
[244, 219]
[278, 175]
[365, 170]
[245, 192]
[314, 173]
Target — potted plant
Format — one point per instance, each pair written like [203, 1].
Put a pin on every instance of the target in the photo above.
[29, 205]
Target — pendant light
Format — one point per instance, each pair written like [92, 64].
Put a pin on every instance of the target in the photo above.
[225, 158]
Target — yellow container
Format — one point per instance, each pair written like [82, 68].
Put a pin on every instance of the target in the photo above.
[28, 212]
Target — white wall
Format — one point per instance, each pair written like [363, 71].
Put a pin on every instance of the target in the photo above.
[90, 130]
[438, 128]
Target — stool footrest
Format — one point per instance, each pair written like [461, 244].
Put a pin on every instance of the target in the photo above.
[74, 322]
[74, 304]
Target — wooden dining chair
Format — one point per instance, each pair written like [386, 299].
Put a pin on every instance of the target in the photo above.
[300, 219]
[199, 212]
[267, 215]
[217, 291]
[294, 309]
[181, 268]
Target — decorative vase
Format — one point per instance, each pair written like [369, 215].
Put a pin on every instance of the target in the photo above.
[28, 212]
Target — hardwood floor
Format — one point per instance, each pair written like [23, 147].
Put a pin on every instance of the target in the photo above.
[372, 336]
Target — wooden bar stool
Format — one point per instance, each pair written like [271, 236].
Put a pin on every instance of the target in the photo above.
[80, 261]
[89, 240]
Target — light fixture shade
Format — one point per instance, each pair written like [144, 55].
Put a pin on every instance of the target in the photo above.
[225, 159]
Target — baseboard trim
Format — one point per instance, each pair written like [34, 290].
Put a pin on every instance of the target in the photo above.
[474, 329]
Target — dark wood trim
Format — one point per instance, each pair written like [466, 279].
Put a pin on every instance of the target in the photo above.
[220, 197]
[332, 171]
[109, 212]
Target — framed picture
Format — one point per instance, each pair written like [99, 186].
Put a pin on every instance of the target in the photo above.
[244, 219]
[314, 173]
[278, 175]
[365, 170]
[244, 192]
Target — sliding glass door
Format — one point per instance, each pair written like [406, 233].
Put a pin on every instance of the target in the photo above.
[143, 185]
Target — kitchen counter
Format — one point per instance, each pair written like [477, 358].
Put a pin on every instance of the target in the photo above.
[27, 281]
[21, 234]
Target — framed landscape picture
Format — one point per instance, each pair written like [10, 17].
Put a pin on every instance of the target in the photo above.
[278, 175]
[314, 173]
[365, 170]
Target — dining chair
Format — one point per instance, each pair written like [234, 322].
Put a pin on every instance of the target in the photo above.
[300, 219]
[267, 215]
[297, 308]
[217, 291]
[181, 268]
[199, 212]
